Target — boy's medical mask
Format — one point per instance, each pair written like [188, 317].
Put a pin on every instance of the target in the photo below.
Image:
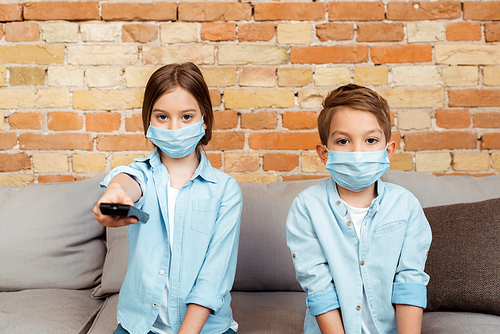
[357, 171]
[177, 143]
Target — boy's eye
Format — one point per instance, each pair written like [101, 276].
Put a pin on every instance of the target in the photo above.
[372, 140]
[342, 141]
[187, 117]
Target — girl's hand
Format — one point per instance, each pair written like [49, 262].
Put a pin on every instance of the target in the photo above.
[114, 194]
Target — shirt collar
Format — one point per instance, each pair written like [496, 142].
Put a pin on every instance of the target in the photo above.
[336, 202]
[204, 169]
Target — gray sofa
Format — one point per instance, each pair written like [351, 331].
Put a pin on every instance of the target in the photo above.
[60, 271]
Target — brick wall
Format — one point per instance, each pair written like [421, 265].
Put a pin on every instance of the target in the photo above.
[72, 76]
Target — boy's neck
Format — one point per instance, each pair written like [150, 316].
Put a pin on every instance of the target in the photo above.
[361, 199]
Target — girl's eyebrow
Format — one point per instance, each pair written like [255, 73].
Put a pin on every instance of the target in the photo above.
[182, 111]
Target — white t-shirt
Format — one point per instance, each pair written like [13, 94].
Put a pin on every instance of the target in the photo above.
[162, 323]
[356, 216]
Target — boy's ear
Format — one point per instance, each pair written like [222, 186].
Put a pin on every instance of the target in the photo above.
[391, 148]
[322, 153]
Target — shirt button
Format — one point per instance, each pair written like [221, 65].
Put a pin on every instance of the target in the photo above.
[162, 272]
[362, 263]
[358, 308]
[294, 255]
[338, 202]
[156, 305]
[349, 223]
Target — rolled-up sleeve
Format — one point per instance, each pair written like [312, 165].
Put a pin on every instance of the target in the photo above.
[216, 276]
[136, 173]
[311, 267]
[410, 280]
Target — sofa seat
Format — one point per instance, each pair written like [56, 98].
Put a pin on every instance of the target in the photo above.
[55, 311]
[460, 323]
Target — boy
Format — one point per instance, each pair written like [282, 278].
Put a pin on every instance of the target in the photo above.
[359, 245]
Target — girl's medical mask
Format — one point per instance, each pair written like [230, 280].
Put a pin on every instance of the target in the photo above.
[177, 143]
[357, 171]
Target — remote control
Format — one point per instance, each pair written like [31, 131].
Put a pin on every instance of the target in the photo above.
[123, 210]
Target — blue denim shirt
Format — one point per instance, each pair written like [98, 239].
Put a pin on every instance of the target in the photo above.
[203, 260]
[332, 264]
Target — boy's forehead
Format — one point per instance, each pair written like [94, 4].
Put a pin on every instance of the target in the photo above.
[355, 119]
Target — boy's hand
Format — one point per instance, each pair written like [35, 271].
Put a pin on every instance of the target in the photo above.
[113, 194]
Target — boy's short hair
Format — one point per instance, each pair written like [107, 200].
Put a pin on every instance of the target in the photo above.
[186, 76]
[355, 97]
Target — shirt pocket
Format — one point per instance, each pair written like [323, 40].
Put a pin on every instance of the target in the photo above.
[204, 214]
[390, 228]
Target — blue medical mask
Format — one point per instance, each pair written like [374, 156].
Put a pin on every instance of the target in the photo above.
[177, 143]
[357, 171]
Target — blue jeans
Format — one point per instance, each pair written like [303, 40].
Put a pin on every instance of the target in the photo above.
[121, 330]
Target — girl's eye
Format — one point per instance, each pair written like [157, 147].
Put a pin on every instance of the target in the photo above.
[342, 141]
[372, 140]
[162, 117]
[187, 117]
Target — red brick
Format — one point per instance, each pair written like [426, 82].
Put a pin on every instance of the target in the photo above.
[14, 162]
[492, 32]
[486, 120]
[490, 141]
[26, 120]
[139, 33]
[7, 140]
[59, 10]
[255, 32]
[55, 178]
[356, 11]
[64, 121]
[11, 12]
[134, 123]
[218, 32]
[401, 54]
[139, 11]
[280, 162]
[424, 10]
[335, 32]
[225, 119]
[391, 113]
[102, 122]
[215, 97]
[261, 120]
[56, 141]
[474, 98]
[482, 11]
[380, 32]
[463, 31]
[453, 119]
[1, 30]
[283, 141]
[131, 142]
[226, 141]
[448, 140]
[302, 177]
[300, 120]
[22, 32]
[289, 11]
[329, 54]
[215, 160]
[214, 11]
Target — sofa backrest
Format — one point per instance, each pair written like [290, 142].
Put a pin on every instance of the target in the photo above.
[49, 238]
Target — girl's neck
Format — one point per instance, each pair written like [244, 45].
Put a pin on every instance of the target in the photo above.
[182, 169]
[361, 199]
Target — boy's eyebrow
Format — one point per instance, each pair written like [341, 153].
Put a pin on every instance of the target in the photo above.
[341, 132]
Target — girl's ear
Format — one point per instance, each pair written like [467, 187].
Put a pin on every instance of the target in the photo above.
[322, 153]
[391, 148]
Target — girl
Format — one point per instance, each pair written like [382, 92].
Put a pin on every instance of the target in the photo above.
[182, 261]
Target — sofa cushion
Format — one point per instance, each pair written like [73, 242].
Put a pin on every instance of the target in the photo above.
[433, 190]
[55, 311]
[49, 237]
[463, 259]
[460, 323]
[106, 320]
